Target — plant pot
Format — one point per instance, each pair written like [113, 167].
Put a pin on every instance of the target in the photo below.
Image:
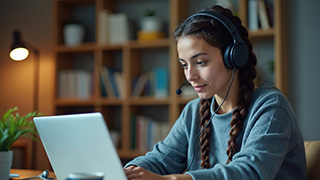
[5, 164]
[73, 34]
[151, 23]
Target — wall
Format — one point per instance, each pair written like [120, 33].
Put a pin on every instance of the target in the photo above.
[34, 19]
[304, 63]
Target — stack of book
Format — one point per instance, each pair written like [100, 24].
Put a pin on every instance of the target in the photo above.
[146, 132]
[260, 14]
[111, 82]
[113, 28]
[155, 83]
[75, 83]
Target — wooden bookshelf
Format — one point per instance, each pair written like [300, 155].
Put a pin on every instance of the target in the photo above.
[129, 58]
[278, 35]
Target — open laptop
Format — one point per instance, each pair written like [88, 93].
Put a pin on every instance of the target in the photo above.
[79, 143]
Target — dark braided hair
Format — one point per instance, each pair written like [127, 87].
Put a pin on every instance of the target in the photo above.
[205, 135]
[215, 34]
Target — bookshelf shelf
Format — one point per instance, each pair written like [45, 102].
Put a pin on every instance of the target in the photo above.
[269, 33]
[148, 44]
[111, 101]
[74, 102]
[149, 101]
[132, 59]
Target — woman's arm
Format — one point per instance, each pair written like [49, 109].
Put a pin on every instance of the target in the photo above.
[138, 173]
[171, 155]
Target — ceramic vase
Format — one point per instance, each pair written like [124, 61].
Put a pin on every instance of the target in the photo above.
[151, 23]
[5, 164]
[73, 34]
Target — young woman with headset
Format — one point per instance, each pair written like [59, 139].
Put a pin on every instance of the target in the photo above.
[234, 130]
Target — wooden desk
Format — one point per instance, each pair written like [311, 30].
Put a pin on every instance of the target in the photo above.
[26, 173]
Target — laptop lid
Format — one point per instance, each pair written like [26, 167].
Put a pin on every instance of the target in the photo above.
[79, 143]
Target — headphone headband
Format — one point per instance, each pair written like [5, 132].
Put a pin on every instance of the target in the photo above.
[235, 55]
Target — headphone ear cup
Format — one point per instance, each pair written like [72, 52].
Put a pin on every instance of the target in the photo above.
[239, 55]
[235, 56]
[227, 58]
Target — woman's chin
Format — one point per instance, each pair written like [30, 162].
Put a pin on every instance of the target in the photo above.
[204, 95]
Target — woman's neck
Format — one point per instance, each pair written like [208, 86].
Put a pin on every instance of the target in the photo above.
[231, 101]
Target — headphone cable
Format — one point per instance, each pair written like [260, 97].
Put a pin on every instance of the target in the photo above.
[214, 113]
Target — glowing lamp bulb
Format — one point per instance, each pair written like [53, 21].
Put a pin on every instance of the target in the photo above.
[19, 54]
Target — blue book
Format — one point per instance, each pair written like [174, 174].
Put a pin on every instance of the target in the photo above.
[113, 82]
[161, 87]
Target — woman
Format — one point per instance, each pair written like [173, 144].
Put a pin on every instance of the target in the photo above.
[234, 130]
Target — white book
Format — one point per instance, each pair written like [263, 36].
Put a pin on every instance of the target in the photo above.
[119, 31]
[82, 84]
[70, 84]
[62, 81]
[103, 27]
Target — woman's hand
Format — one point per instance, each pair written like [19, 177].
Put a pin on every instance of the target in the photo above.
[138, 173]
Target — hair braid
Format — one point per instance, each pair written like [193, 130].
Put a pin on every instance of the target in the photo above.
[246, 86]
[205, 135]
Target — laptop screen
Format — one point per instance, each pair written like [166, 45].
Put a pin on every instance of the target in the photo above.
[79, 143]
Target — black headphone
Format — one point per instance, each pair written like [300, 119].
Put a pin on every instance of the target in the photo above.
[236, 54]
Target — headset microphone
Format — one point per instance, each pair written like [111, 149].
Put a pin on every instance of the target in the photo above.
[179, 90]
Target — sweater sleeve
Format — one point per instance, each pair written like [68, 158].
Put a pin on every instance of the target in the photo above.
[265, 144]
[168, 156]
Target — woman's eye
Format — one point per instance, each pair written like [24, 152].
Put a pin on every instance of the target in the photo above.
[200, 63]
[184, 66]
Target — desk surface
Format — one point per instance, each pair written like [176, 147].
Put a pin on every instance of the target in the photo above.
[26, 173]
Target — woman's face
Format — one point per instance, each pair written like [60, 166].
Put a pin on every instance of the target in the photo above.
[203, 67]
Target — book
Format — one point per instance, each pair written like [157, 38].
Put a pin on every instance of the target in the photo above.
[119, 30]
[133, 132]
[70, 84]
[253, 20]
[146, 132]
[103, 27]
[103, 89]
[161, 85]
[270, 12]
[75, 83]
[113, 81]
[82, 84]
[104, 74]
[139, 85]
[62, 79]
[119, 83]
[263, 16]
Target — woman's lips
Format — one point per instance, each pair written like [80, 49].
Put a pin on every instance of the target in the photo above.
[199, 88]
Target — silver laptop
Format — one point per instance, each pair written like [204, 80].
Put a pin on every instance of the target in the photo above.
[79, 143]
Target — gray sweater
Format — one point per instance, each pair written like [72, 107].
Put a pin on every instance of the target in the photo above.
[270, 143]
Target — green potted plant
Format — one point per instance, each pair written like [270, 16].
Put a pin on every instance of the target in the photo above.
[13, 126]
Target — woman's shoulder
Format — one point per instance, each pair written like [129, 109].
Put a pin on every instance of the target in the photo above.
[270, 95]
[270, 101]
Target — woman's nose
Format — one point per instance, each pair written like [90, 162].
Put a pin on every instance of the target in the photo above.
[191, 74]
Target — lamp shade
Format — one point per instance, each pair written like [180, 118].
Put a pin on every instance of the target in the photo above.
[18, 50]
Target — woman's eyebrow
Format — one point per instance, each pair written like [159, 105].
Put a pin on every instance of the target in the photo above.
[194, 56]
